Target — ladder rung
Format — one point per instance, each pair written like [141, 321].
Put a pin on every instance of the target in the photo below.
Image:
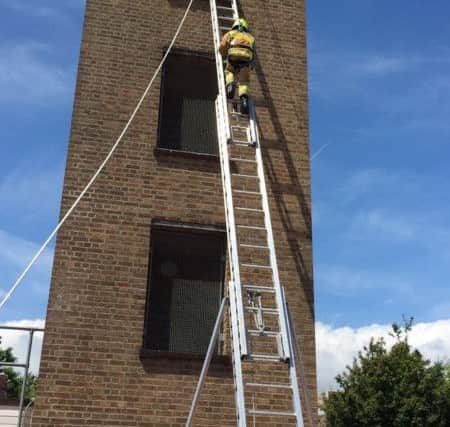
[255, 332]
[242, 144]
[259, 288]
[239, 141]
[251, 227]
[263, 309]
[242, 128]
[236, 159]
[271, 413]
[226, 18]
[225, 28]
[262, 357]
[246, 245]
[248, 192]
[225, 8]
[240, 175]
[266, 267]
[285, 386]
[249, 210]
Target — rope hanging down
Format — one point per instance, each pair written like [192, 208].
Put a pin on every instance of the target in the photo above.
[101, 167]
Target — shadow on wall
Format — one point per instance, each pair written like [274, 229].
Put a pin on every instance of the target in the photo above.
[294, 187]
[288, 186]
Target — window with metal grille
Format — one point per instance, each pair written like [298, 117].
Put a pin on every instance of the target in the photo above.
[187, 120]
[185, 289]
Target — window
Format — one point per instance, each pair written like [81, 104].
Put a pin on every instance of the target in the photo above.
[187, 120]
[185, 288]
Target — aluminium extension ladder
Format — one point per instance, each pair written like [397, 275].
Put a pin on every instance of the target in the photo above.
[263, 342]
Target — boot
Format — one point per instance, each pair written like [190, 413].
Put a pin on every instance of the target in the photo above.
[244, 104]
[230, 87]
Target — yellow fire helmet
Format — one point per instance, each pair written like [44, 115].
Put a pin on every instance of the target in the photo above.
[241, 24]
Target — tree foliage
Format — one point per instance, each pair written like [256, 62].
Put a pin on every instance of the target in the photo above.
[15, 380]
[391, 388]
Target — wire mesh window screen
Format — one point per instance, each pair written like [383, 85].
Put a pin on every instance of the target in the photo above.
[187, 111]
[185, 290]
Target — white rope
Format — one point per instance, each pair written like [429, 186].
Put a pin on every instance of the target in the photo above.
[94, 177]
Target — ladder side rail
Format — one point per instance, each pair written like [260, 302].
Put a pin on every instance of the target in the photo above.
[293, 368]
[234, 5]
[207, 362]
[237, 363]
[224, 187]
[297, 354]
[236, 344]
[270, 239]
[219, 66]
[231, 229]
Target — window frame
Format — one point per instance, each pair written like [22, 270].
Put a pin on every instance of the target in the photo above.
[205, 55]
[181, 228]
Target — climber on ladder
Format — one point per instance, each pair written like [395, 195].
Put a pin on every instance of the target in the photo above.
[238, 50]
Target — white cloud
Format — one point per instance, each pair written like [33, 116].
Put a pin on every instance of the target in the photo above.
[27, 78]
[385, 225]
[381, 185]
[33, 9]
[381, 65]
[15, 253]
[370, 181]
[441, 309]
[23, 190]
[349, 66]
[336, 347]
[42, 8]
[341, 280]
[22, 193]
[382, 213]
[18, 340]
[376, 65]
[400, 91]
[419, 229]
[351, 70]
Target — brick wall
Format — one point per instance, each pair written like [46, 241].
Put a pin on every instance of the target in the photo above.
[91, 372]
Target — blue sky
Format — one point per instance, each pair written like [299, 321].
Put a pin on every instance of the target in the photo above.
[39, 47]
[380, 105]
[380, 143]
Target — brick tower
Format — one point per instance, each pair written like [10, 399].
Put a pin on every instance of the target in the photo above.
[140, 267]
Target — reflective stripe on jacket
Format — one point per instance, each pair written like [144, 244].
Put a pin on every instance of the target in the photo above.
[238, 46]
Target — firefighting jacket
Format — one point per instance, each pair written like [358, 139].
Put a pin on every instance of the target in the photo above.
[238, 46]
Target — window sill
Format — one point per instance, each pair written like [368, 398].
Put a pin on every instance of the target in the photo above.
[187, 154]
[146, 354]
